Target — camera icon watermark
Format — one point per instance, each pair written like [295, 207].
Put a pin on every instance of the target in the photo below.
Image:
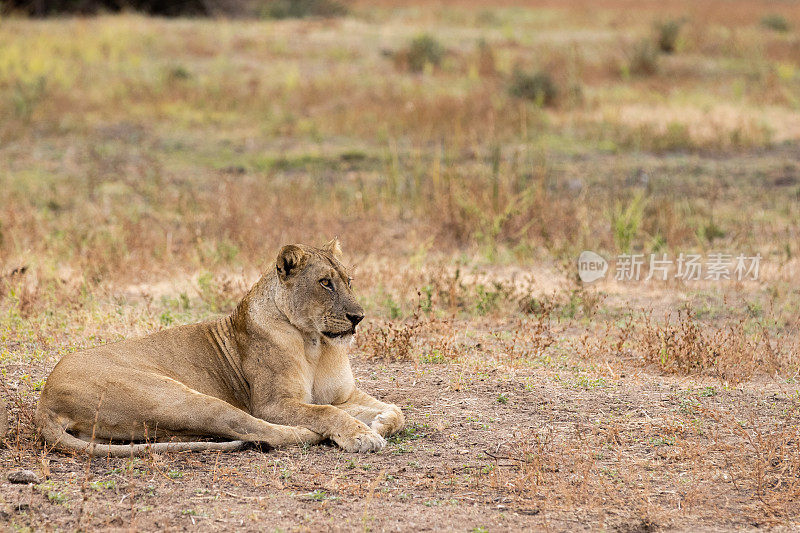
[660, 267]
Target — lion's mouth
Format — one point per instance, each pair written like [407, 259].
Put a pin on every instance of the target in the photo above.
[338, 334]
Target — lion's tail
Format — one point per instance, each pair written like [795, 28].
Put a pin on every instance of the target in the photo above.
[57, 437]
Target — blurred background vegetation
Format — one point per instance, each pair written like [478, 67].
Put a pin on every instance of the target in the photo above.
[136, 147]
[185, 8]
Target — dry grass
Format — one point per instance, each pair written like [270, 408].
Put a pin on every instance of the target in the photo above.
[628, 475]
[733, 352]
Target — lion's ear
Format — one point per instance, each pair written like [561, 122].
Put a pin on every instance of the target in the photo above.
[333, 247]
[291, 260]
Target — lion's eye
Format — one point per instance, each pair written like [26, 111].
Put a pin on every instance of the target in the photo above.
[325, 282]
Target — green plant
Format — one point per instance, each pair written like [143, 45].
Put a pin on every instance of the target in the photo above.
[435, 356]
[410, 432]
[487, 300]
[710, 231]
[667, 33]
[27, 95]
[538, 87]
[775, 22]
[219, 294]
[100, 485]
[178, 73]
[423, 50]
[626, 221]
[426, 301]
[166, 318]
[708, 392]
[57, 497]
[676, 137]
[318, 495]
[394, 308]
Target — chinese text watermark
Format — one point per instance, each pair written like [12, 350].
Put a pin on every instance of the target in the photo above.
[660, 267]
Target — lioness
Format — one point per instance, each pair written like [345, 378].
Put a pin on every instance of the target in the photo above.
[275, 371]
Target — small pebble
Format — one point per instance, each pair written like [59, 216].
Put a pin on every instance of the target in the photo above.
[23, 476]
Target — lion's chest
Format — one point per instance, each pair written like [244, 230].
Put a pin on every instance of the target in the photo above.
[332, 379]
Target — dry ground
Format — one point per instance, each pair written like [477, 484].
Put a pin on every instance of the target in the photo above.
[482, 450]
[151, 168]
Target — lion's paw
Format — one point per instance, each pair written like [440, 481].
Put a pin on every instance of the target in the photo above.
[389, 422]
[361, 442]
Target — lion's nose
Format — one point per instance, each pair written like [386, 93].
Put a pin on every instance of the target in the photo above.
[354, 319]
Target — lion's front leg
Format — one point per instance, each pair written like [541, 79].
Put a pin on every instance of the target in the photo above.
[385, 418]
[351, 434]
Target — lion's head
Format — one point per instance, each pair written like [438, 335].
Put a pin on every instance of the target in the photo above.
[314, 291]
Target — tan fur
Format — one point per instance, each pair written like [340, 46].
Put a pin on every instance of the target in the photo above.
[276, 371]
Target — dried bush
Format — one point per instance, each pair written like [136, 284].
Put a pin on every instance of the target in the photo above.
[283, 9]
[538, 87]
[643, 58]
[423, 50]
[220, 293]
[775, 22]
[731, 352]
[667, 33]
[486, 62]
[392, 342]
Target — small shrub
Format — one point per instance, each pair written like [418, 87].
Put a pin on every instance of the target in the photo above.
[394, 308]
[57, 497]
[541, 306]
[626, 221]
[775, 22]
[487, 300]
[538, 87]
[318, 495]
[391, 343]
[676, 137]
[733, 350]
[643, 58]
[178, 73]
[423, 50]
[710, 231]
[27, 96]
[667, 34]
[220, 294]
